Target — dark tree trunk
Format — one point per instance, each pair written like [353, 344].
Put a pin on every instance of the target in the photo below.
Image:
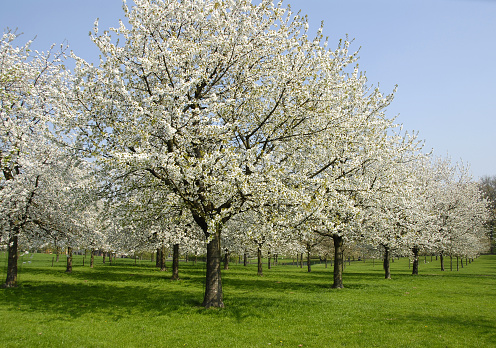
[245, 258]
[158, 258]
[309, 266]
[213, 282]
[104, 255]
[175, 262]
[325, 261]
[451, 263]
[269, 258]
[163, 267]
[92, 258]
[441, 257]
[415, 261]
[387, 269]
[338, 262]
[226, 259]
[13, 255]
[301, 260]
[259, 261]
[69, 260]
[457, 268]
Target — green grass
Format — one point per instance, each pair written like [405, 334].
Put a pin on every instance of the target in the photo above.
[138, 306]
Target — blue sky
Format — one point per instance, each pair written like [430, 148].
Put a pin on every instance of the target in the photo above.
[440, 53]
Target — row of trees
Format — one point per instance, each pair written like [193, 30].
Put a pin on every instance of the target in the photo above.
[218, 125]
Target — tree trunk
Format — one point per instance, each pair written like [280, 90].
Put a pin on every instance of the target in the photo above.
[69, 260]
[338, 262]
[92, 258]
[441, 257]
[13, 255]
[415, 261]
[163, 267]
[159, 257]
[213, 281]
[226, 259]
[457, 268]
[309, 266]
[269, 259]
[259, 261]
[451, 263]
[175, 262]
[245, 258]
[104, 255]
[387, 269]
[301, 260]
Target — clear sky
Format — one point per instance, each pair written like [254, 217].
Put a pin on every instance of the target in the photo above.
[440, 53]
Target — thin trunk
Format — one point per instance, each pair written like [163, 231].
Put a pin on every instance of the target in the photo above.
[259, 261]
[457, 268]
[175, 262]
[269, 259]
[441, 257]
[163, 267]
[309, 266]
[226, 259]
[69, 260]
[104, 255]
[338, 262]
[387, 268]
[325, 261]
[245, 258]
[92, 258]
[159, 257]
[451, 263]
[213, 282]
[13, 255]
[301, 260]
[415, 261]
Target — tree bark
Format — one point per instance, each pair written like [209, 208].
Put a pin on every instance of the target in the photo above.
[163, 267]
[104, 255]
[301, 260]
[441, 257]
[245, 258]
[92, 258]
[213, 282]
[259, 261]
[387, 268]
[226, 259]
[338, 262]
[269, 258]
[175, 262]
[69, 260]
[13, 255]
[309, 266]
[415, 261]
[157, 260]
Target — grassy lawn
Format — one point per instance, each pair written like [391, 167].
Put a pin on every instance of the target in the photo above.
[127, 305]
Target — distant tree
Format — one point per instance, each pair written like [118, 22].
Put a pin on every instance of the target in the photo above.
[488, 187]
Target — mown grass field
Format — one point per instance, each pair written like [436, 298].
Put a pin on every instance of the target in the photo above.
[127, 305]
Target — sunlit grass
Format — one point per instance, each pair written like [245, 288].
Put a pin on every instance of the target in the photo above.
[127, 305]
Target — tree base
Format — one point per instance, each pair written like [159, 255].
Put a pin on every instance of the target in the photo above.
[8, 286]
